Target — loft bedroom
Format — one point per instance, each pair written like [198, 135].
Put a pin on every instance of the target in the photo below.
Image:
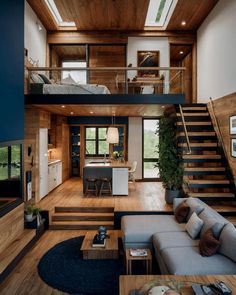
[71, 53]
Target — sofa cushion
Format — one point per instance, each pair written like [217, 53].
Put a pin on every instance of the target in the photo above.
[162, 241]
[195, 206]
[210, 219]
[194, 226]
[188, 261]
[182, 212]
[140, 228]
[208, 244]
[228, 241]
[177, 202]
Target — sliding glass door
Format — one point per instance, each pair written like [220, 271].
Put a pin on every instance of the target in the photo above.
[150, 148]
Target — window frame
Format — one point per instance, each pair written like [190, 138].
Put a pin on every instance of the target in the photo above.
[96, 140]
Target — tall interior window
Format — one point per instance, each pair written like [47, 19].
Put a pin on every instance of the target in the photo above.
[150, 148]
[95, 141]
[79, 76]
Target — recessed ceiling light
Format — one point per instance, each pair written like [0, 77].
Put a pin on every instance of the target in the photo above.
[183, 23]
[163, 107]
[91, 112]
[72, 113]
[181, 52]
[63, 106]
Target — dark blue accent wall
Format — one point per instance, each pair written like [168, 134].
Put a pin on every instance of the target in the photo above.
[12, 70]
[97, 120]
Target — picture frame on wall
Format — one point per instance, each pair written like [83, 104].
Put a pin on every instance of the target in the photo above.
[232, 125]
[233, 147]
[148, 59]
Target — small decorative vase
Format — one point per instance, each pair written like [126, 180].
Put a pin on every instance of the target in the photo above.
[28, 217]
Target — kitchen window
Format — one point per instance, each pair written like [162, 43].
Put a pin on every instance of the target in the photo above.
[95, 142]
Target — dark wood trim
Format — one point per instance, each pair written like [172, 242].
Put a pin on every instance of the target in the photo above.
[100, 99]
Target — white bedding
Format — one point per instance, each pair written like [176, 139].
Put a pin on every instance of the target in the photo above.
[75, 89]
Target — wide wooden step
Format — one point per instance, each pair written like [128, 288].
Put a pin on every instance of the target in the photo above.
[199, 144]
[15, 247]
[190, 123]
[82, 225]
[202, 114]
[65, 216]
[204, 169]
[85, 209]
[197, 134]
[194, 108]
[211, 195]
[208, 181]
[231, 219]
[201, 158]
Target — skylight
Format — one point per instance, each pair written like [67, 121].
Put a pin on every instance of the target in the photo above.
[53, 8]
[159, 12]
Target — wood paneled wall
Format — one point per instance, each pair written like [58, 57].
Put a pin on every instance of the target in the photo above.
[225, 107]
[11, 226]
[107, 56]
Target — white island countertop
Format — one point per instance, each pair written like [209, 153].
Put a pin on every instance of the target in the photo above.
[107, 164]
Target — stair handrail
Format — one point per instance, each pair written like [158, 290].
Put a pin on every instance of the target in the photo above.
[217, 127]
[185, 130]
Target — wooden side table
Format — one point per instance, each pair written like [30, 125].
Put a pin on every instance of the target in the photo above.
[110, 251]
[146, 259]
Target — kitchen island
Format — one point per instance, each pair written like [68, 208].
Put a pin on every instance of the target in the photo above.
[114, 170]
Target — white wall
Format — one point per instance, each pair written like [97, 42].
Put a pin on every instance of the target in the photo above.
[135, 144]
[136, 44]
[35, 40]
[216, 39]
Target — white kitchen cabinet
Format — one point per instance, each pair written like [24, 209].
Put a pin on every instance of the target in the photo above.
[54, 175]
[120, 181]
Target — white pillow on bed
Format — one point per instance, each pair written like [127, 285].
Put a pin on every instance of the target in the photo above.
[68, 81]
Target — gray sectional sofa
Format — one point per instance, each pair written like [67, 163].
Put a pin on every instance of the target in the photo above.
[176, 252]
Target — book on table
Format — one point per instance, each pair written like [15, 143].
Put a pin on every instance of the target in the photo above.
[98, 243]
[138, 252]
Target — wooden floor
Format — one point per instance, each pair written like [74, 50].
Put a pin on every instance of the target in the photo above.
[24, 279]
[148, 196]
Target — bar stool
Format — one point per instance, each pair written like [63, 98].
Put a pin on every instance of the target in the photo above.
[91, 186]
[105, 186]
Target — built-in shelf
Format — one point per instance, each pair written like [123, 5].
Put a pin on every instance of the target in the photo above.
[75, 150]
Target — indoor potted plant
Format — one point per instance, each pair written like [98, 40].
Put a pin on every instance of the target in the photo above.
[29, 211]
[170, 160]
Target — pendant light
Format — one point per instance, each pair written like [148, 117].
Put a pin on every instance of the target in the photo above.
[112, 134]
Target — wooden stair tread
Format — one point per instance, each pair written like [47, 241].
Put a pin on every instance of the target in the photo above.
[67, 216]
[84, 209]
[194, 108]
[201, 156]
[198, 133]
[199, 144]
[15, 247]
[193, 114]
[211, 195]
[98, 223]
[204, 169]
[208, 181]
[83, 214]
[192, 123]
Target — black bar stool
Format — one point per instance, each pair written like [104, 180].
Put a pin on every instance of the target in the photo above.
[91, 186]
[105, 186]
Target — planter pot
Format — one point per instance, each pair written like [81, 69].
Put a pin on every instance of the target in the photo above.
[28, 217]
[171, 194]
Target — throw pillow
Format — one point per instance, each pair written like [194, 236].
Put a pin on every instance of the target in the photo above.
[45, 79]
[182, 212]
[68, 81]
[208, 244]
[194, 226]
[35, 78]
[195, 206]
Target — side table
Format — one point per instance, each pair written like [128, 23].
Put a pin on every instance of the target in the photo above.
[146, 259]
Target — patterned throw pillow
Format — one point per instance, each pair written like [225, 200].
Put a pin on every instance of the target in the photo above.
[208, 244]
[181, 212]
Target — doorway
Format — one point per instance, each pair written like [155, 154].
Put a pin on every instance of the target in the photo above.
[150, 148]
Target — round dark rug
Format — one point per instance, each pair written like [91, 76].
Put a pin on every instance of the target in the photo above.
[63, 268]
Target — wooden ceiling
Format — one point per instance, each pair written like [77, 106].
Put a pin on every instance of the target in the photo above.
[71, 51]
[175, 52]
[193, 12]
[120, 15]
[105, 110]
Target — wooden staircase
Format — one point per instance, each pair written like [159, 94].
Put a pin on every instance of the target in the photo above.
[206, 173]
[82, 218]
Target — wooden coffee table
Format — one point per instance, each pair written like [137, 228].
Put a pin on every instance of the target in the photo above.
[110, 251]
[146, 259]
[128, 283]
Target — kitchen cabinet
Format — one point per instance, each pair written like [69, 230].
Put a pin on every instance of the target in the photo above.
[54, 175]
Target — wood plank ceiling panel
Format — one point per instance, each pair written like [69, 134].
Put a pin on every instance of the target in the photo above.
[78, 52]
[104, 14]
[43, 13]
[193, 12]
[175, 50]
[105, 110]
